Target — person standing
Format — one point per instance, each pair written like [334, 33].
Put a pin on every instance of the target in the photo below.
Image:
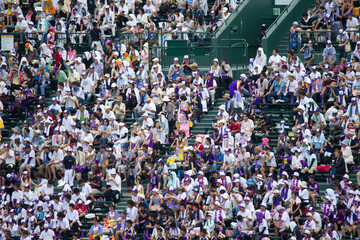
[69, 167]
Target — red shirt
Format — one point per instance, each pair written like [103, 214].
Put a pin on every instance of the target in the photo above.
[198, 147]
[235, 127]
[81, 208]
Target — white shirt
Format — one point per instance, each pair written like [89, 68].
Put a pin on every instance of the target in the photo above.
[147, 122]
[11, 159]
[148, 10]
[116, 180]
[47, 190]
[123, 8]
[64, 224]
[352, 23]
[18, 195]
[151, 106]
[21, 25]
[276, 60]
[292, 86]
[285, 217]
[47, 234]
[72, 215]
[109, 18]
[67, 122]
[131, 213]
[87, 84]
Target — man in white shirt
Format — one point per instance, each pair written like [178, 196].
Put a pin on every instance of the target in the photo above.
[218, 214]
[113, 190]
[21, 24]
[30, 32]
[131, 211]
[56, 159]
[149, 9]
[9, 155]
[147, 121]
[63, 226]
[275, 59]
[73, 216]
[17, 195]
[109, 21]
[291, 87]
[316, 218]
[108, 113]
[67, 121]
[149, 107]
[88, 87]
[122, 8]
[281, 220]
[228, 166]
[29, 160]
[352, 24]
[28, 195]
[47, 234]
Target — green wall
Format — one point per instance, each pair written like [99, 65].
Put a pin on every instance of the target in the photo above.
[247, 20]
[281, 26]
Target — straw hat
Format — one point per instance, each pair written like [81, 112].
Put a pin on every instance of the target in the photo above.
[303, 184]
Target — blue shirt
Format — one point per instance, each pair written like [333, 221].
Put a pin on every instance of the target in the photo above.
[277, 85]
[317, 141]
[220, 157]
[328, 52]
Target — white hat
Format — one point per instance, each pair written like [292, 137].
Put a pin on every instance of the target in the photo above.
[156, 59]
[222, 107]
[221, 174]
[69, 149]
[219, 181]
[225, 9]
[225, 195]
[216, 60]
[200, 173]
[141, 196]
[303, 184]
[217, 203]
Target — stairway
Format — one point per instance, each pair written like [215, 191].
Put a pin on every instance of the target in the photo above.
[284, 45]
[205, 124]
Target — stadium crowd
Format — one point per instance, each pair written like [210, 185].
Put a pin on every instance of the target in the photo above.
[226, 185]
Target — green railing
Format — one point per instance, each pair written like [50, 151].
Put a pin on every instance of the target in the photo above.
[319, 38]
[235, 54]
[63, 38]
[162, 47]
[160, 36]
